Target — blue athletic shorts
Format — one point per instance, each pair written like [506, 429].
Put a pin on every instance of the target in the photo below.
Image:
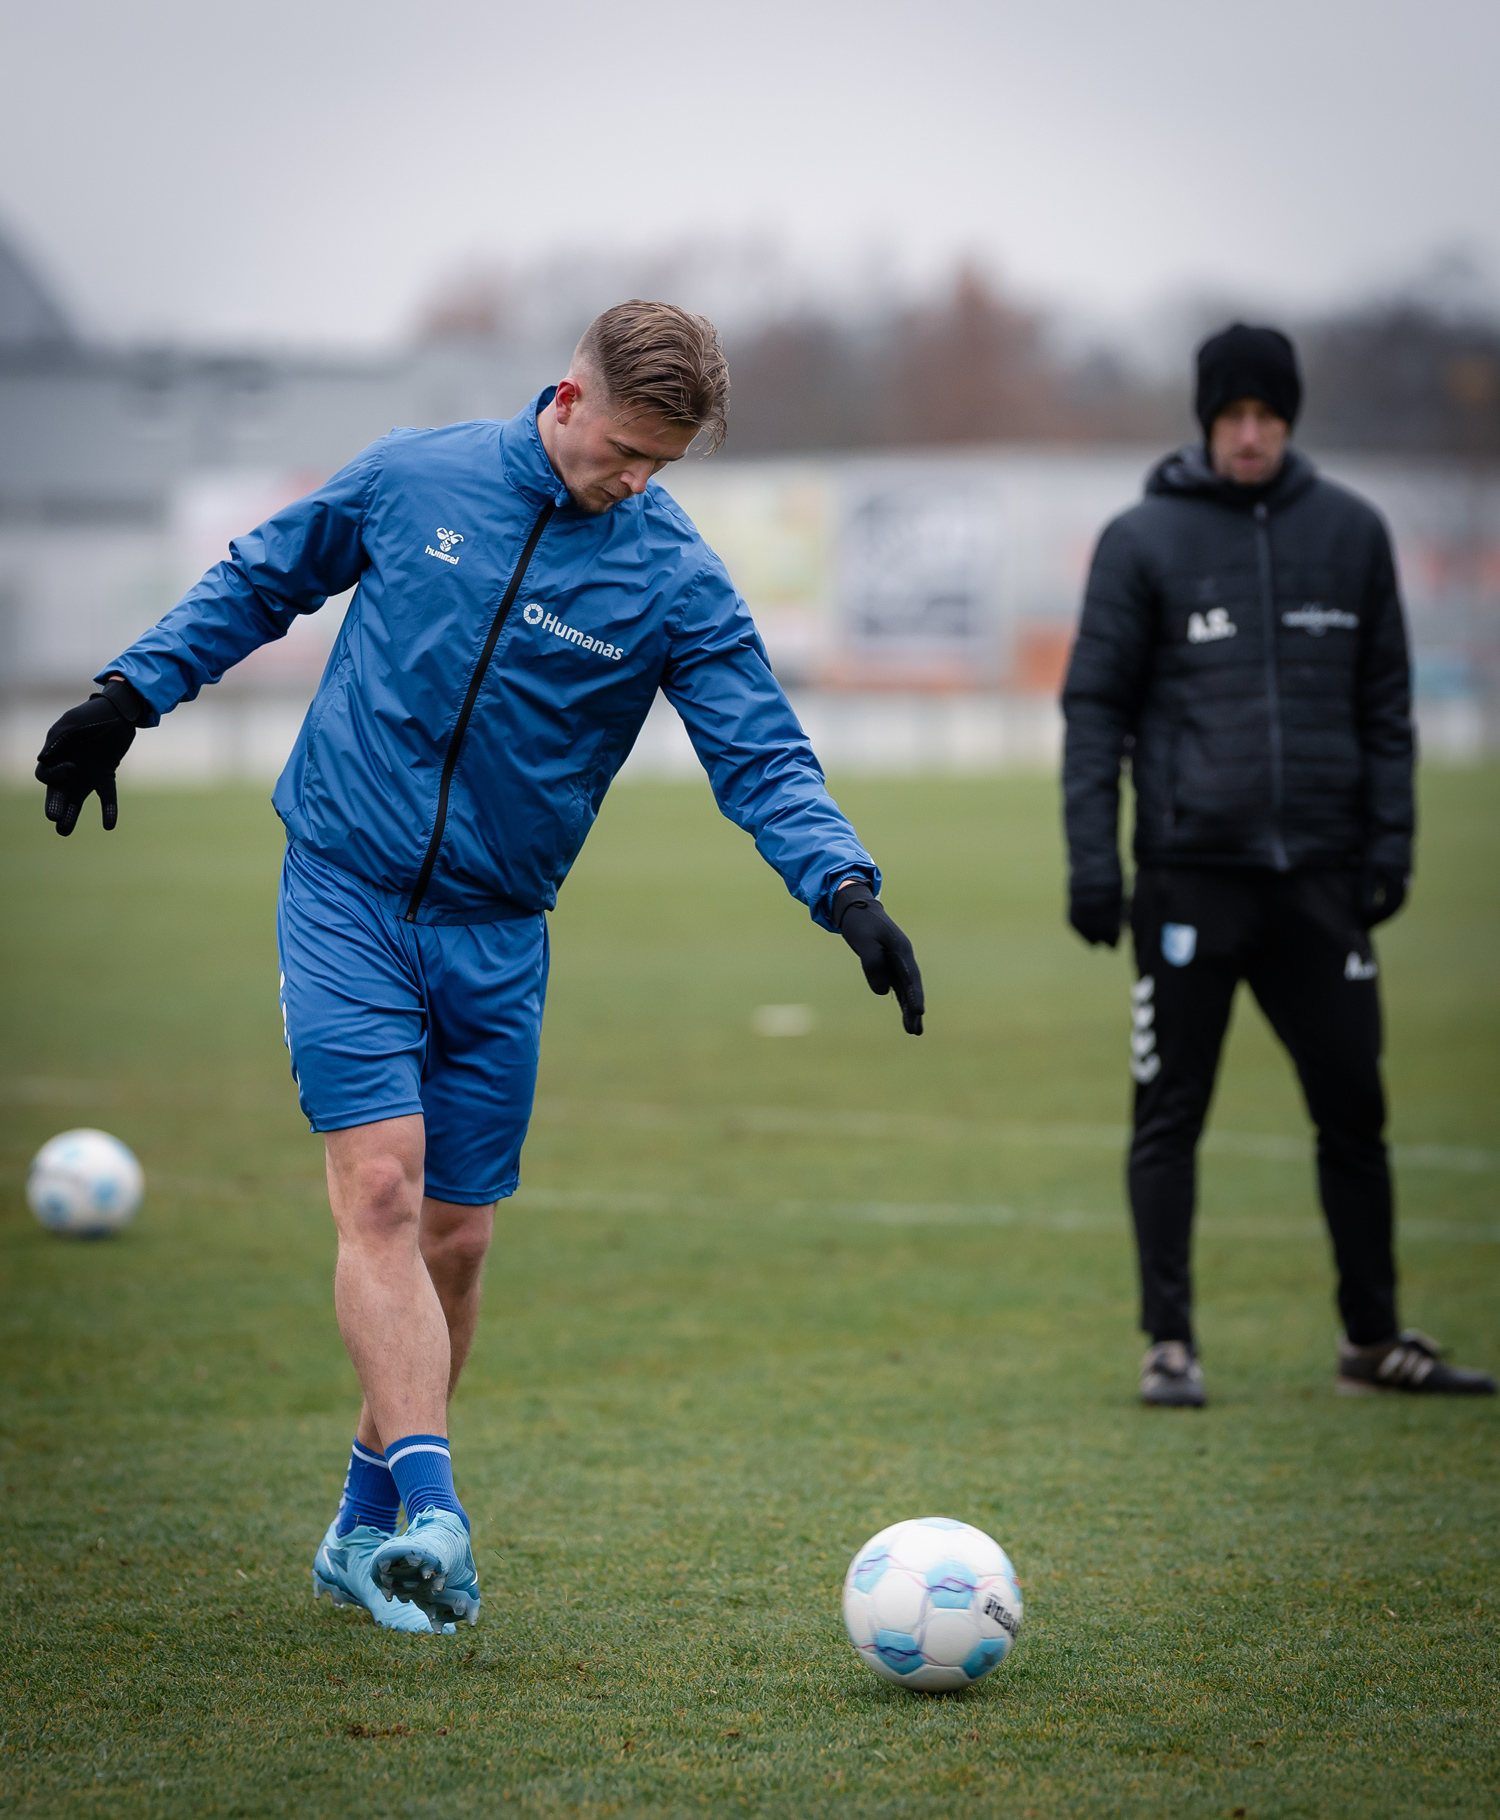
[385, 1017]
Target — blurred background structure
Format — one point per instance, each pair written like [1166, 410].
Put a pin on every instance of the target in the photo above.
[913, 548]
[960, 252]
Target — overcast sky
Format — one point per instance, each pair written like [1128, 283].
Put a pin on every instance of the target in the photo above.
[307, 170]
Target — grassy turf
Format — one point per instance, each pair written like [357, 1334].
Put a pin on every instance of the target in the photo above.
[757, 1299]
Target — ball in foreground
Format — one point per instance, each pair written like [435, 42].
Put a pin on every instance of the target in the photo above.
[932, 1604]
[85, 1183]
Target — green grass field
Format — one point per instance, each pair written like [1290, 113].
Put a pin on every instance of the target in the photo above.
[757, 1299]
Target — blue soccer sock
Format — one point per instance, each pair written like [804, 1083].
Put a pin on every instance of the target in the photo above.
[370, 1495]
[423, 1471]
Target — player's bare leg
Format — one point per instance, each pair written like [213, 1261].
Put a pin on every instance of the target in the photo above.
[454, 1242]
[395, 1325]
[393, 1310]
[388, 1308]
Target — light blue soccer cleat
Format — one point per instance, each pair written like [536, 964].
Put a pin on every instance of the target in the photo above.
[341, 1568]
[432, 1566]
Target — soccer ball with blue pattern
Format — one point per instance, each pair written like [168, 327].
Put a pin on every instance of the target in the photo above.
[85, 1183]
[932, 1604]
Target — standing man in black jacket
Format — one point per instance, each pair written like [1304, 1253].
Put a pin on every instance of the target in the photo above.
[1242, 642]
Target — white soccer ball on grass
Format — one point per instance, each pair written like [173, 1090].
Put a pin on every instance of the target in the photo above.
[932, 1604]
[85, 1183]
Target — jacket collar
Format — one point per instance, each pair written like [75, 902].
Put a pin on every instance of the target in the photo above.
[524, 461]
[1185, 474]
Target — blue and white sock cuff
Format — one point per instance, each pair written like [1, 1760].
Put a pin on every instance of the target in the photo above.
[370, 1459]
[435, 1444]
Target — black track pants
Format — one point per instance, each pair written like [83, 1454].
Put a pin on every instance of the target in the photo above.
[1294, 938]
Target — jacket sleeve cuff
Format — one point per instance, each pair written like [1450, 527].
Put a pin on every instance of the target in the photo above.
[150, 715]
[822, 906]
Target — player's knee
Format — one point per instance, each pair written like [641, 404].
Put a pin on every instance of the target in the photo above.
[380, 1199]
[1349, 1109]
[1169, 1134]
[1353, 1143]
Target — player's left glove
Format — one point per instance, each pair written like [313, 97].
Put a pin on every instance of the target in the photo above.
[83, 752]
[1381, 895]
[1097, 919]
[884, 952]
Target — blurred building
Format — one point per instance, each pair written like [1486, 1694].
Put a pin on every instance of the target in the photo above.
[918, 606]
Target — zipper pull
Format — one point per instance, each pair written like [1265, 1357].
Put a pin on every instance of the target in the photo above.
[1260, 511]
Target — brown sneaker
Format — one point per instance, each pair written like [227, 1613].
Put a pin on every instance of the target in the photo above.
[1413, 1362]
[1171, 1377]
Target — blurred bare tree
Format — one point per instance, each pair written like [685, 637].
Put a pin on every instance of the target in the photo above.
[862, 364]
[969, 366]
[800, 385]
[1404, 377]
[475, 305]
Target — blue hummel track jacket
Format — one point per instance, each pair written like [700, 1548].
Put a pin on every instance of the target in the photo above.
[493, 671]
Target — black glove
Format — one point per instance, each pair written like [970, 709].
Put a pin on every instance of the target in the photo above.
[83, 750]
[884, 952]
[1381, 894]
[1097, 917]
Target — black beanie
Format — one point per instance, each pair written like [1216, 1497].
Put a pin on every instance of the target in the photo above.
[1241, 362]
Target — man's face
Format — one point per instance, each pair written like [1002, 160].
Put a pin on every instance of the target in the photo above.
[1247, 442]
[601, 458]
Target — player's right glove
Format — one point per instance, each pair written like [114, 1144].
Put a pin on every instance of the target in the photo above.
[1097, 917]
[884, 952]
[83, 751]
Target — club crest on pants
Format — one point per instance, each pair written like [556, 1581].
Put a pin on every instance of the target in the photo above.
[1179, 943]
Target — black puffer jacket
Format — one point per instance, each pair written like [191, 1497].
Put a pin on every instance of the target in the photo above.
[1246, 648]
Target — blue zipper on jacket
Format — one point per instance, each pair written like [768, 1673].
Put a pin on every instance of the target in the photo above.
[476, 682]
[1273, 686]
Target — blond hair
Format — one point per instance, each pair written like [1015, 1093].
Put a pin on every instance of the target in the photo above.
[655, 358]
